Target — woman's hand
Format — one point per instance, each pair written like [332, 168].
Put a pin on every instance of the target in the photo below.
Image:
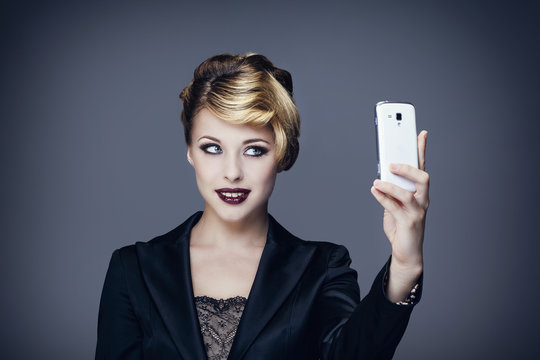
[404, 222]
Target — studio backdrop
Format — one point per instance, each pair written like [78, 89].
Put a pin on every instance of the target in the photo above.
[93, 156]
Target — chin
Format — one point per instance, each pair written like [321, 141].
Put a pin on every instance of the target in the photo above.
[234, 215]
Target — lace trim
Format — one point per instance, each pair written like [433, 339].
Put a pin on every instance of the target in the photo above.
[411, 297]
[219, 319]
[221, 304]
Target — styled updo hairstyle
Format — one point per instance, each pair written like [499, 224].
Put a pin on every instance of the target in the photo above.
[246, 90]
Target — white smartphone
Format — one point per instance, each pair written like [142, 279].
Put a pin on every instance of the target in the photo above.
[395, 124]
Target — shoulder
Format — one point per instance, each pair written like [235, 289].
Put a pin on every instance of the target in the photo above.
[171, 237]
[129, 252]
[330, 249]
[179, 233]
[335, 254]
[128, 257]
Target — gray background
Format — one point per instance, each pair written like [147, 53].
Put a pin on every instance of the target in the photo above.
[93, 156]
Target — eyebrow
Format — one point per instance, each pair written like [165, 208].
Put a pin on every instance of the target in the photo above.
[248, 141]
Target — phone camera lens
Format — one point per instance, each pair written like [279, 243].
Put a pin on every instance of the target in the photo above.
[398, 116]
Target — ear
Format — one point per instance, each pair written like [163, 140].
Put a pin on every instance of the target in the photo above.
[189, 159]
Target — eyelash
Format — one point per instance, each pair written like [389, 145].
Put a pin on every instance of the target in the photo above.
[259, 150]
[205, 148]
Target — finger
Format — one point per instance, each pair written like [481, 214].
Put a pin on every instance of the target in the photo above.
[389, 204]
[405, 197]
[420, 179]
[422, 140]
[417, 176]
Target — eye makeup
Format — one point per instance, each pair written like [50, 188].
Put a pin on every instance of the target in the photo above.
[211, 148]
[251, 151]
[255, 151]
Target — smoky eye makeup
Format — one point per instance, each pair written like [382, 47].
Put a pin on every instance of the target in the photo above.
[211, 148]
[250, 151]
[255, 151]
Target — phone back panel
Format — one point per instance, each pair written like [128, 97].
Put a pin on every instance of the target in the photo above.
[396, 140]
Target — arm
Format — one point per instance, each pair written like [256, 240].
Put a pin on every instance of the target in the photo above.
[375, 327]
[119, 333]
[370, 329]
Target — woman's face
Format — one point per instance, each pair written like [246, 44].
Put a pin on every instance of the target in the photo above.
[235, 166]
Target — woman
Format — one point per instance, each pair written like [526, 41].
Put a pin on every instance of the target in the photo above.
[230, 282]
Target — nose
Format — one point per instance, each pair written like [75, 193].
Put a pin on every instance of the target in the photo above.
[233, 168]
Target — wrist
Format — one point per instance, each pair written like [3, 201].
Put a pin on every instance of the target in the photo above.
[411, 264]
[405, 275]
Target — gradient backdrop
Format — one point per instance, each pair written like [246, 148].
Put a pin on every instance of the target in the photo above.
[93, 156]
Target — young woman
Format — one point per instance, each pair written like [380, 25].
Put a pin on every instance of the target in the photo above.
[230, 282]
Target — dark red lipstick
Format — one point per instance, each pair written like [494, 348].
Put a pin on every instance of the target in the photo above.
[233, 196]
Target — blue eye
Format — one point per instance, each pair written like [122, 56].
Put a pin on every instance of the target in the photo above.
[211, 149]
[255, 151]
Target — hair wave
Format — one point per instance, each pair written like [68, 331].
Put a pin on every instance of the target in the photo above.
[246, 89]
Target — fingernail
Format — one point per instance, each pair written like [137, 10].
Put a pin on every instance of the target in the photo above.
[394, 166]
[377, 183]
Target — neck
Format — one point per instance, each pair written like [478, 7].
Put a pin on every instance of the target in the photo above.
[212, 230]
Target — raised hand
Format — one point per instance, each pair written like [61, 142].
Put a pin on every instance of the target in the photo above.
[404, 222]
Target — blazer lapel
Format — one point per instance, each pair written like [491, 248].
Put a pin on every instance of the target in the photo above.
[165, 266]
[282, 263]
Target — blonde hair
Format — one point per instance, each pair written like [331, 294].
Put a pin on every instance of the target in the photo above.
[246, 90]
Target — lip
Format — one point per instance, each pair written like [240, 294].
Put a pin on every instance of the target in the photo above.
[242, 195]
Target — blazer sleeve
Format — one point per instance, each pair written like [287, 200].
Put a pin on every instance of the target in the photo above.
[353, 329]
[119, 333]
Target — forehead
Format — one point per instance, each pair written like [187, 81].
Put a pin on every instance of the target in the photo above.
[205, 123]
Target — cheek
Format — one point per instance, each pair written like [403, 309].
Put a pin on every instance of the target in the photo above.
[270, 175]
[266, 175]
[205, 174]
[205, 171]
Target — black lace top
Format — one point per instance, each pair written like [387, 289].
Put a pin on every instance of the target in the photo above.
[219, 320]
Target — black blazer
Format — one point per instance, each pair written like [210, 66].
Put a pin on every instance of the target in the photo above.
[304, 304]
